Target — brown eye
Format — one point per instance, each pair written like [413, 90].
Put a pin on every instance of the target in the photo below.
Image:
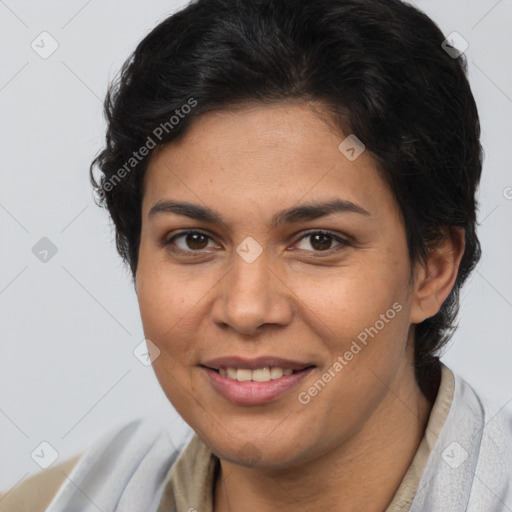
[321, 241]
[196, 240]
[190, 241]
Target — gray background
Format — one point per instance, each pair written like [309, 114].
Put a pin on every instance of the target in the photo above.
[69, 326]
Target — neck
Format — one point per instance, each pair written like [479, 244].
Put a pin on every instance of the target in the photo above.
[363, 473]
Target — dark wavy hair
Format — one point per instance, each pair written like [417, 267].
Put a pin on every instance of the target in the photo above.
[379, 67]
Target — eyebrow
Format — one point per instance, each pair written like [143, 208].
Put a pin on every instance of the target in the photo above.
[308, 211]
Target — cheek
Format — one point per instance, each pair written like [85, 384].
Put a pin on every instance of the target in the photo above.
[346, 300]
[165, 300]
[168, 306]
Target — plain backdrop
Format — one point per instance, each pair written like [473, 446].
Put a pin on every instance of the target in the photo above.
[70, 324]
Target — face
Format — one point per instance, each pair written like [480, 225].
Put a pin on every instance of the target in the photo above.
[258, 271]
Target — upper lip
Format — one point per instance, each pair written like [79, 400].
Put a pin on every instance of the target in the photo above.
[254, 364]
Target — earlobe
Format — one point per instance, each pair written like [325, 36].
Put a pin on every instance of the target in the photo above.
[436, 276]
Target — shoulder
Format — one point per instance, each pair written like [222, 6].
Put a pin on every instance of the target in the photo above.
[470, 466]
[36, 492]
[481, 437]
[495, 419]
[132, 455]
[495, 435]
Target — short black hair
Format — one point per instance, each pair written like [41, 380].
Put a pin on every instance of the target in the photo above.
[378, 66]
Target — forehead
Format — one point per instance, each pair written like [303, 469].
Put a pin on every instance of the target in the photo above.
[267, 156]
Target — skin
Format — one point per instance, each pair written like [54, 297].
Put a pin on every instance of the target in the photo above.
[350, 446]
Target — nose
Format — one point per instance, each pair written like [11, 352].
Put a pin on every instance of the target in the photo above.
[252, 295]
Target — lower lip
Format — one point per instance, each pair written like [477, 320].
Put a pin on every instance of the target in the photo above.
[253, 393]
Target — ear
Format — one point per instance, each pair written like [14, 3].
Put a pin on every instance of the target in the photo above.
[434, 278]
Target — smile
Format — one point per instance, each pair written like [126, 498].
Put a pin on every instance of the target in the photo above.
[244, 386]
[258, 375]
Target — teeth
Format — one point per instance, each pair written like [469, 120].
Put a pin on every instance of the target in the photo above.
[243, 374]
[276, 372]
[258, 375]
[261, 375]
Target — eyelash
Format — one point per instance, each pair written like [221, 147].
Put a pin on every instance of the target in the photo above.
[342, 241]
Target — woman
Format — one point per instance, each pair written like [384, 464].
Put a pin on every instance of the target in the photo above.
[293, 186]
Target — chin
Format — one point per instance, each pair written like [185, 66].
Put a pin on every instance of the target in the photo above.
[261, 452]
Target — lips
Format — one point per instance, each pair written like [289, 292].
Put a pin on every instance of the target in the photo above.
[255, 381]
